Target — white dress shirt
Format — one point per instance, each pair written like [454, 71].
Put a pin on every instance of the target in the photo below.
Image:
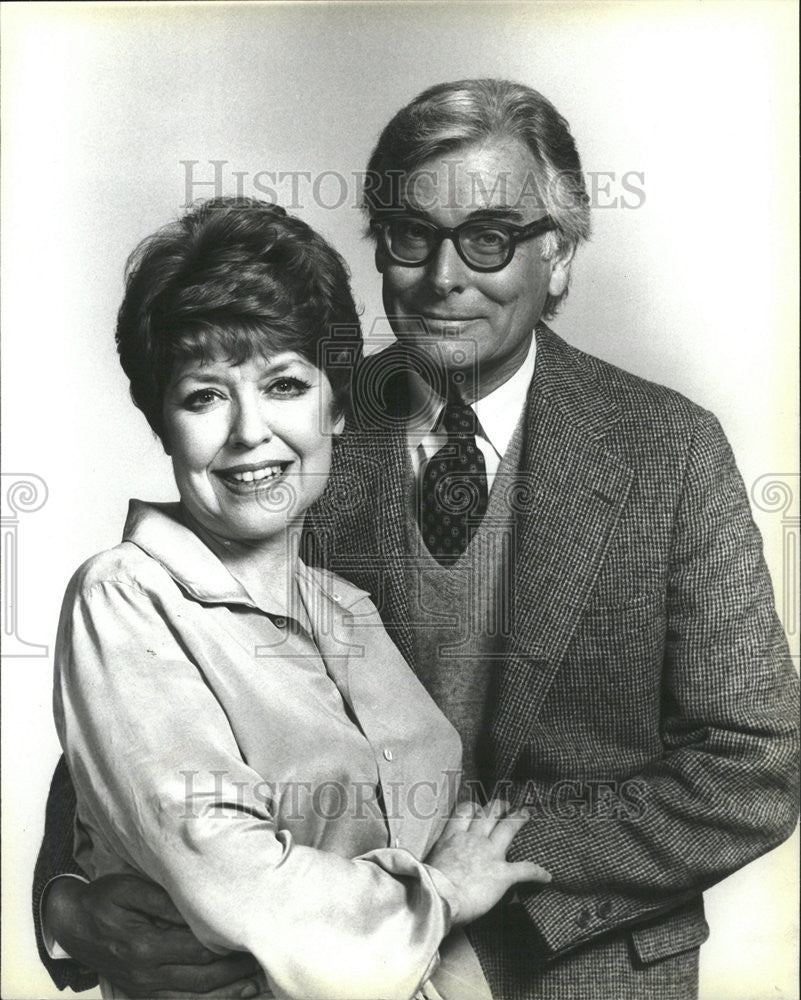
[498, 415]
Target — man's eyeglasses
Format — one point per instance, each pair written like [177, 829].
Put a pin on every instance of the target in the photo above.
[484, 245]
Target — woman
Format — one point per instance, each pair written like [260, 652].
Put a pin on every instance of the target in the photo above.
[239, 726]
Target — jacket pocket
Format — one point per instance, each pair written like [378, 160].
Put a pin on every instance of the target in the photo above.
[672, 933]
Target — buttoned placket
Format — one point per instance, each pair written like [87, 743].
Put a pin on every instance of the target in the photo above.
[385, 754]
[200, 574]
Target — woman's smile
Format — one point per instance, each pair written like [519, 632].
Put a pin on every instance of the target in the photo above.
[245, 479]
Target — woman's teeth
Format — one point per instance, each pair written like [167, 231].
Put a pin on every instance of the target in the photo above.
[256, 475]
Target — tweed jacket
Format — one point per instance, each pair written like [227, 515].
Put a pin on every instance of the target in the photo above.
[646, 705]
[646, 701]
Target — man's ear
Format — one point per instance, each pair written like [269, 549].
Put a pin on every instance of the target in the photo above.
[560, 271]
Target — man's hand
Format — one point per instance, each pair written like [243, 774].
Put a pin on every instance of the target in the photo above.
[128, 929]
[471, 851]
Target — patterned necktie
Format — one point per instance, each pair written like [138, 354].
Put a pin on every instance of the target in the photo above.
[453, 487]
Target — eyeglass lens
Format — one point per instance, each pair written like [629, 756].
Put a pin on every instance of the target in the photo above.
[412, 241]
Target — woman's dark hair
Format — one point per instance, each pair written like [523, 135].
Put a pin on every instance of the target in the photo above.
[240, 277]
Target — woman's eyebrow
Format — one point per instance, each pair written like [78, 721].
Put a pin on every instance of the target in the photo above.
[219, 374]
[289, 364]
[197, 375]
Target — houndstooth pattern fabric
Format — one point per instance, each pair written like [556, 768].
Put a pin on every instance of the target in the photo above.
[609, 968]
[453, 487]
[647, 703]
[647, 708]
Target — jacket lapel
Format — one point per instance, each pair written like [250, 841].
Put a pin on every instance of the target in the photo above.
[572, 493]
[358, 527]
[575, 491]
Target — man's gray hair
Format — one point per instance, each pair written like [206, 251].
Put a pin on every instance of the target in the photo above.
[450, 116]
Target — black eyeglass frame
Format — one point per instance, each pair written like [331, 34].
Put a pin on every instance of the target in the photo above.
[517, 234]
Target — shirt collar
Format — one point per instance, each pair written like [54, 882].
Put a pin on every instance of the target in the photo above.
[158, 529]
[498, 412]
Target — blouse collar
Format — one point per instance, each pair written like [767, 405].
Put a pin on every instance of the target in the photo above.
[159, 530]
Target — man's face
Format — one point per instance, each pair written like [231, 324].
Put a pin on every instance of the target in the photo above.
[469, 320]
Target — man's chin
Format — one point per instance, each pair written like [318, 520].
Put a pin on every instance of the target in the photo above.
[449, 354]
[448, 340]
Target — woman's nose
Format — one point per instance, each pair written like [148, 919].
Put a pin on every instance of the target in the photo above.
[250, 425]
[446, 271]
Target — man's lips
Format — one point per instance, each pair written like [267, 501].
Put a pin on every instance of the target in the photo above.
[253, 472]
[438, 318]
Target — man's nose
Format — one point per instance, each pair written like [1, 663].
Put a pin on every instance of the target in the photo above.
[250, 425]
[446, 271]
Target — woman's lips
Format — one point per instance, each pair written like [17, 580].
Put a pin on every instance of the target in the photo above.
[247, 478]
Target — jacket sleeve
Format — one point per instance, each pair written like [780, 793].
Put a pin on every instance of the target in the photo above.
[162, 788]
[725, 788]
[55, 859]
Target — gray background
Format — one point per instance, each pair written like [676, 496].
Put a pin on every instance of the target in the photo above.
[696, 288]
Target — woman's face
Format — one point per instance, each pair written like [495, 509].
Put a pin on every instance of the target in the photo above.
[250, 443]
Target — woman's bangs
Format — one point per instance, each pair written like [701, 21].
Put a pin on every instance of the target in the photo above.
[233, 342]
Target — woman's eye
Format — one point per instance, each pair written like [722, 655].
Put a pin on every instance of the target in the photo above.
[200, 399]
[288, 386]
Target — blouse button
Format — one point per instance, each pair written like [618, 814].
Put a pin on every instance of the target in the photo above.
[387, 754]
[280, 621]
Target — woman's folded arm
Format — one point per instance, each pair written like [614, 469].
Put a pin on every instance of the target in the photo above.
[162, 784]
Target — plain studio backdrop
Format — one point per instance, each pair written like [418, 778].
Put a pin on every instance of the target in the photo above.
[685, 119]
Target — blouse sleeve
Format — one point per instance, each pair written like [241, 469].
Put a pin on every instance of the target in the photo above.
[160, 776]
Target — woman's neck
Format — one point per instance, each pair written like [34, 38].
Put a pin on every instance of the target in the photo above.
[266, 567]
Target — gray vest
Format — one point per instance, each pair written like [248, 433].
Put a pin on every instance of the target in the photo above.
[461, 617]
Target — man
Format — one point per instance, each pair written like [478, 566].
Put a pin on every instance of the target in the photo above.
[565, 554]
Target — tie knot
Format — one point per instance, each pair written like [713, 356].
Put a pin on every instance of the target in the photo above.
[459, 419]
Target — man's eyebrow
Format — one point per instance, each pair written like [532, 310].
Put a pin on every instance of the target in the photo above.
[498, 212]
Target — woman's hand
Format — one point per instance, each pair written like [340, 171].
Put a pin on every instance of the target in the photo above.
[471, 852]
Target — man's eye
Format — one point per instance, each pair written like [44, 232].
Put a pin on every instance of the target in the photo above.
[411, 231]
[488, 239]
[200, 399]
[288, 386]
